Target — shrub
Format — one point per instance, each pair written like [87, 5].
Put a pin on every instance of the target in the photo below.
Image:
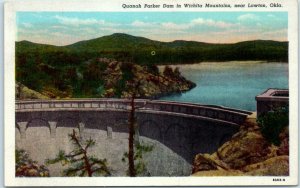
[272, 123]
[26, 167]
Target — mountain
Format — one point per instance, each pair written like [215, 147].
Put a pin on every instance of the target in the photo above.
[138, 49]
[117, 41]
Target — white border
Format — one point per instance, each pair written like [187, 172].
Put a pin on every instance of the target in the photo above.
[12, 7]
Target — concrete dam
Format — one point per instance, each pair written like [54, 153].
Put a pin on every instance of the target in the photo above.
[177, 131]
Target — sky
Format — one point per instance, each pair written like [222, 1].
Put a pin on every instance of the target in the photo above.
[63, 28]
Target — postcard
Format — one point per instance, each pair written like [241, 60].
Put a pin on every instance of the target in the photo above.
[151, 93]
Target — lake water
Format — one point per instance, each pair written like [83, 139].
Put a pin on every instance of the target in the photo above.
[231, 84]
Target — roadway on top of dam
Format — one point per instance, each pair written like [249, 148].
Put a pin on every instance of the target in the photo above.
[212, 113]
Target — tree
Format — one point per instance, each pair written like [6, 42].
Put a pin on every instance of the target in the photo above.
[272, 124]
[135, 155]
[168, 71]
[134, 90]
[177, 73]
[140, 166]
[80, 162]
[132, 128]
[153, 69]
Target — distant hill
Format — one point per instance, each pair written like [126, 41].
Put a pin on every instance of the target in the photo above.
[117, 41]
[138, 49]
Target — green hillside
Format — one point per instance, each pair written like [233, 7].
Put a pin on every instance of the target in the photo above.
[117, 41]
[138, 50]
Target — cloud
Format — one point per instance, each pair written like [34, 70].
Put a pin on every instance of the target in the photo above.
[198, 22]
[77, 21]
[27, 25]
[248, 17]
[138, 23]
[271, 16]
[279, 32]
[59, 27]
[211, 23]
[171, 25]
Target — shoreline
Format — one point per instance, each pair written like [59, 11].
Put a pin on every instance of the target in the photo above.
[222, 62]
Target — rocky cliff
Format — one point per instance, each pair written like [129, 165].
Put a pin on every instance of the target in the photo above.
[246, 154]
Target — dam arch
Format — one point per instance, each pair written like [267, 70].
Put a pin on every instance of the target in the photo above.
[149, 128]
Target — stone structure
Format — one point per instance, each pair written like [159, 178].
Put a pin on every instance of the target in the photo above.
[178, 131]
[271, 99]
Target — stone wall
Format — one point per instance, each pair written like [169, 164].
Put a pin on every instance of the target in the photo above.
[271, 99]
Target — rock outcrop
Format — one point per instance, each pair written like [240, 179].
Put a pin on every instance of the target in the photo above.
[151, 85]
[246, 154]
[118, 79]
[23, 92]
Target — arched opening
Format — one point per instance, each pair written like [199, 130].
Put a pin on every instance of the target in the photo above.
[176, 133]
[64, 128]
[120, 128]
[150, 129]
[37, 129]
[68, 122]
[37, 122]
[96, 128]
[95, 123]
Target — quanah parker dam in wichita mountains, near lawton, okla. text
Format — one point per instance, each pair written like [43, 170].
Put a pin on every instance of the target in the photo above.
[197, 5]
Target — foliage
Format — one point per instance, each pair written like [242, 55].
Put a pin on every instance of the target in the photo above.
[26, 167]
[175, 74]
[127, 76]
[79, 162]
[140, 165]
[168, 71]
[153, 69]
[272, 123]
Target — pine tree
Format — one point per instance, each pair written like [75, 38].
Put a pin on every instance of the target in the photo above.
[79, 161]
[135, 149]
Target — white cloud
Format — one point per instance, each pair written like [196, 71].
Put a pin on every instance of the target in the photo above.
[77, 21]
[247, 17]
[212, 23]
[27, 25]
[138, 23]
[33, 32]
[279, 32]
[57, 34]
[198, 22]
[173, 26]
[271, 16]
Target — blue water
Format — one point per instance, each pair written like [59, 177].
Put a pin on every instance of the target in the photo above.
[231, 84]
